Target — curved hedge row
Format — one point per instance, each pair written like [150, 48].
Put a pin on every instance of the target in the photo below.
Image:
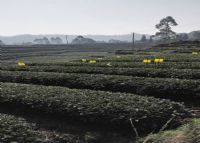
[17, 130]
[167, 58]
[139, 72]
[174, 65]
[94, 107]
[177, 89]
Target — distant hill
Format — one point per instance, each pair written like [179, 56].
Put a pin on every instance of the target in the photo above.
[61, 38]
[195, 35]
[19, 39]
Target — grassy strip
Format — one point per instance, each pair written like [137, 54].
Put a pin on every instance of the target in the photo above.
[13, 129]
[139, 72]
[177, 89]
[98, 107]
[189, 133]
[175, 65]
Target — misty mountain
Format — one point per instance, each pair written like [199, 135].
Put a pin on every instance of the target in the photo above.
[19, 39]
[61, 38]
[195, 35]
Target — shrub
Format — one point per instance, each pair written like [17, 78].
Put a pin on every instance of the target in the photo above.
[94, 107]
[174, 65]
[138, 72]
[176, 89]
[14, 129]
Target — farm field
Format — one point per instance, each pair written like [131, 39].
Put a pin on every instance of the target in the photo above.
[70, 95]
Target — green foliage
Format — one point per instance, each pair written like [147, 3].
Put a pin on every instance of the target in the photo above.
[173, 65]
[176, 89]
[164, 27]
[111, 109]
[18, 130]
[137, 72]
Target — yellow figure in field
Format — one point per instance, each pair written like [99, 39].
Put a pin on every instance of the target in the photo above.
[157, 60]
[21, 64]
[84, 60]
[92, 61]
[146, 61]
[161, 60]
[149, 61]
[194, 53]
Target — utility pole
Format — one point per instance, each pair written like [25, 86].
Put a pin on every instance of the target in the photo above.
[67, 40]
[133, 40]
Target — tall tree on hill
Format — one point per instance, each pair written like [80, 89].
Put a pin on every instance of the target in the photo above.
[143, 39]
[165, 30]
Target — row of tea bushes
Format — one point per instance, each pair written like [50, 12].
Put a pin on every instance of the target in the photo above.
[94, 107]
[175, 65]
[176, 89]
[18, 130]
[139, 58]
[138, 72]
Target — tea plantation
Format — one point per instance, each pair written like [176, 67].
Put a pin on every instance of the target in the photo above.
[112, 98]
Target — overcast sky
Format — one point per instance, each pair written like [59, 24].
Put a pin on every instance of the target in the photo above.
[95, 16]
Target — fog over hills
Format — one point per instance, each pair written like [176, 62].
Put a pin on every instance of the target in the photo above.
[26, 38]
[18, 39]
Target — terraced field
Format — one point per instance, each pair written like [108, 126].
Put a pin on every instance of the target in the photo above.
[116, 99]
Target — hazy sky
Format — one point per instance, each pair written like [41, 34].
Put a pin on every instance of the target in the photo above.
[95, 16]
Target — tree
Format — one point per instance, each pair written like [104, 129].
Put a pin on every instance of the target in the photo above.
[1, 42]
[164, 27]
[151, 39]
[143, 39]
[56, 40]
